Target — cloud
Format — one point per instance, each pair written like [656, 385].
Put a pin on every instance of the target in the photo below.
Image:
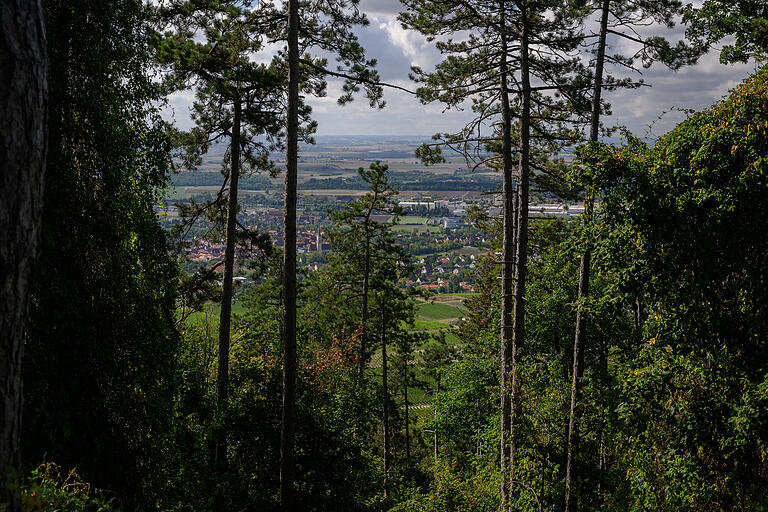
[412, 44]
[379, 7]
[266, 53]
[695, 87]
[396, 49]
[177, 109]
[403, 115]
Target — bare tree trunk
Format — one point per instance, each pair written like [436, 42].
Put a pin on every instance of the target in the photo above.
[602, 455]
[384, 400]
[434, 432]
[638, 312]
[507, 255]
[222, 383]
[571, 499]
[521, 243]
[407, 418]
[287, 494]
[23, 147]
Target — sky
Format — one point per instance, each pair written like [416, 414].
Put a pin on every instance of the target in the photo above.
[397, 49]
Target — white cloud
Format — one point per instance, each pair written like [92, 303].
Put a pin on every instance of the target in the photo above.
[412, 44]
[267, 52]
[177, 109]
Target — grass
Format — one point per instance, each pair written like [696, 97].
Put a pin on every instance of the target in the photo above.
[452, 339]
[420, 324]
[214, 311]
[439, 311]
[416, 395]
[412, 228]
[413, 219]
[430, 316]
[176, 193]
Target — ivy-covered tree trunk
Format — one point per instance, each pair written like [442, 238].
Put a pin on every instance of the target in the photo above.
[288, 428]
[508, 256]
[222, 382]
[571, 498]
[23, 110]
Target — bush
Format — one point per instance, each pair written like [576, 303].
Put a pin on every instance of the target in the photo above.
[47, 489]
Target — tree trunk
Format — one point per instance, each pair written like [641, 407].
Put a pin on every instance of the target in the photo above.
[508, 255]
[222, 383]
[602, 454]
[384, 400]
[637, 310]
[571, 499]
[407, 418]
[23, 145]
[434, 432]
[364, 312]
[521, 243]
[287, 495]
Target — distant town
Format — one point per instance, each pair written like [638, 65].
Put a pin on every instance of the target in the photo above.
[444, 244]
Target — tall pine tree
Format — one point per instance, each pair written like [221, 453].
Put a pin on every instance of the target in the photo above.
[515, 62]
[327, 27]
[238, 102]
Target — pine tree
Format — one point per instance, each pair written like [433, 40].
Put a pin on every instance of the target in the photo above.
[364, 269]
[362, 242]
[513, 50]
[237, 101]
[327, 26]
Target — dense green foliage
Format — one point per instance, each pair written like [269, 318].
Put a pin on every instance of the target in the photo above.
[687, 214]
[99, 366]
[676, 376]
[337, 470]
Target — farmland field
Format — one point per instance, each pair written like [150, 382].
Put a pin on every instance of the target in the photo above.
[413, 228]
[442, 312]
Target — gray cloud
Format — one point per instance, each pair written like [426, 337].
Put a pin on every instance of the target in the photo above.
[395, 49]
[379, 7]
[695, 87]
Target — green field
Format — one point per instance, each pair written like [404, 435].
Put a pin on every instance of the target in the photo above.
[176, 193]
[421, 324]
[413, 223]
[412, 228]
[441, 311]
[213, 311]
[412, 219]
